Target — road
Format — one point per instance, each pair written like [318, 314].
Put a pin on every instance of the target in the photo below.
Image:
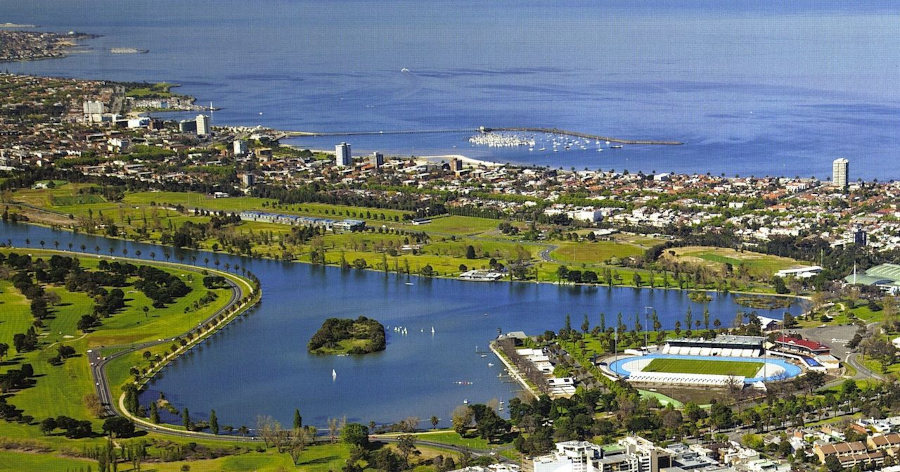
[545, 254]
[836, 337]
[101, 381]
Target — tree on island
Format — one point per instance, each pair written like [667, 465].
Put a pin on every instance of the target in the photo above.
[337, 335]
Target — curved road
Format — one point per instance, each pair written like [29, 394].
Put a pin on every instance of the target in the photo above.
[101, 382]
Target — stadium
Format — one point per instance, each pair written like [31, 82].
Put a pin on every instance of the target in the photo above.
[726, 361]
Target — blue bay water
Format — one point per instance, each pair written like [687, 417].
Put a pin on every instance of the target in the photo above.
[259, 365]
[750, 88]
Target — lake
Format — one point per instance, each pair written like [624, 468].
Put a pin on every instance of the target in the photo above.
[259, 364]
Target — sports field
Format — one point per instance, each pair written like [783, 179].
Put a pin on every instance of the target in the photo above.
[691, 366]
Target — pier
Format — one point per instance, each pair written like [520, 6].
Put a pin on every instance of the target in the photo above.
[483, 129]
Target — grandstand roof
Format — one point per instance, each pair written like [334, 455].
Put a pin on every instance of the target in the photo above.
[803, 343]
[723, 339]
[884, 274]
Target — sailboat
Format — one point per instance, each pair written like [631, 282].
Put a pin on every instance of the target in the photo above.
[333, 375]
[432, 330]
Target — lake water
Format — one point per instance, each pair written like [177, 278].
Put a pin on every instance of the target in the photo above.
[259, 364]
[762, 88]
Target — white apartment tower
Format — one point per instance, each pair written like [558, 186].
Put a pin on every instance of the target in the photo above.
[241, 148]
[342, 155]
[840, 170]
[202, 125]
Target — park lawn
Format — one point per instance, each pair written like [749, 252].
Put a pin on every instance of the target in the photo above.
[44, 197]
[323, 458]
[26, 461]
[459, 225]
[594, 253]
[691, 366]
[645, 242]
[236, 204]
[452, 438]
[759, 265]
[134, 326]
[664, 400]
[15, 313]
[70, 200]
[256, 461]
[192, 200]
[442, 266]
[157, 90]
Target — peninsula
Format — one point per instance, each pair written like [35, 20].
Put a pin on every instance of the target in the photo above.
[32, 45]
[346, 336]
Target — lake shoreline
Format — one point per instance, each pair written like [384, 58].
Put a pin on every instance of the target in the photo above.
[370, 269]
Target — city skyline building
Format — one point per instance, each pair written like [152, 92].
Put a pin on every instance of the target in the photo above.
[840, 170]
[342, 155]
[202, 125]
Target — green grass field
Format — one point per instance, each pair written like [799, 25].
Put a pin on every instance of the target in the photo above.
[64, 200]
[595, 253]
[691, 366]
[460, 225]
[759, 265]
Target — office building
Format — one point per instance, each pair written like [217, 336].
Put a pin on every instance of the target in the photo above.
[203, 125]
[859, 236]
[342, 155]
[840, 172]
[187, 126]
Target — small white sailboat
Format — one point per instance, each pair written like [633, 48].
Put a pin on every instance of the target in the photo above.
[432, 330]
[333, 375]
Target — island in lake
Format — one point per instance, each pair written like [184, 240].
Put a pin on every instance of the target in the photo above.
[347, 336]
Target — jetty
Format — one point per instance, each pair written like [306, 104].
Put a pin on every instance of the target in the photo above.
[484, 130]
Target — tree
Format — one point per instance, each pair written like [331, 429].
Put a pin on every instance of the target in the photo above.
[562, 273]
[213, 422]
[298, 420]
[48, 425]
[4, 349]
[154, 413]
[406, 444]
[470, 252]
[461, 419]
[299, 440]
[833, 464]
[118, 426]
[434, 422]
[355, 434]
[186, 419]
